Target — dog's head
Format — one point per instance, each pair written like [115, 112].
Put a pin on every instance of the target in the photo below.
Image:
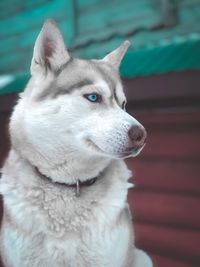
[73, 106]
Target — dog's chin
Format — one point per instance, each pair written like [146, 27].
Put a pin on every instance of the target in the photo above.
[127, 153]
[132, 152]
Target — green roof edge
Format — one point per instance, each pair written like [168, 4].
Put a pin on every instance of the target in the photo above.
[179, 55]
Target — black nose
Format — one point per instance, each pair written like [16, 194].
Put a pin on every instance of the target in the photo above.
[137, 135]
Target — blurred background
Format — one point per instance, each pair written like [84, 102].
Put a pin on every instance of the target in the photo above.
[161, 76]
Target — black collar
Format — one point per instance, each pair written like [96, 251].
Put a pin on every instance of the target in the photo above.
[76, 185]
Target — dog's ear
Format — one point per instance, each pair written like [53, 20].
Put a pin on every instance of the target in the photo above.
[49, 51]
[116, 56]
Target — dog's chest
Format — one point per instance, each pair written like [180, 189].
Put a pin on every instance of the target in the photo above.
[81, 232]
[63, 230]
[92, 238]
[95, 247]
[99, 243]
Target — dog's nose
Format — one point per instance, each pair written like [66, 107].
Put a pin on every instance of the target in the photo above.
[137, 135]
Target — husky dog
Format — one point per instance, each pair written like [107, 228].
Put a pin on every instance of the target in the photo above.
[64, 183]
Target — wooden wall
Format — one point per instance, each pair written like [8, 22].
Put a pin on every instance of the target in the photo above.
[165, 201]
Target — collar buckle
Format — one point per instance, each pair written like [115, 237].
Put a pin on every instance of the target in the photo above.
[78, 193]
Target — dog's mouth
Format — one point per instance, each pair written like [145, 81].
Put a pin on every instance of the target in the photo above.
[92, 145]
[128, 152]
[131, 152]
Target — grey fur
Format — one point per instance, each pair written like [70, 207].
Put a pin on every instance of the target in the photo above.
[79, 79]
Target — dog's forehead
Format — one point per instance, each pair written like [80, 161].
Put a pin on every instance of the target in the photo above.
[94, 72]
[78, 73]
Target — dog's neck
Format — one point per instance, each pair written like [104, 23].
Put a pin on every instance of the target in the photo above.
[74, 169]
[85, 176]
[77, 186]
[77, 168]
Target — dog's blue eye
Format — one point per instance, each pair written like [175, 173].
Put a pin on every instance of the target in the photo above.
[93, 97]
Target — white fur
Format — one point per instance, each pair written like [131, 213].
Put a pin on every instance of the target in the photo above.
[68, 138]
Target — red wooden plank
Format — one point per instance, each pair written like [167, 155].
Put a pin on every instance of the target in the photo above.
[179, 243]
[4, 139]
[165, 119]
[163, 86]
[179, 144]
[169, 209]
[7, 102]
[1, 264]
[1, 209]
[173, 135]
[160, 261]
[166, 175]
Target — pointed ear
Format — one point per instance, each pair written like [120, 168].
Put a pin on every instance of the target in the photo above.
[116, 56]
[49, 51]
